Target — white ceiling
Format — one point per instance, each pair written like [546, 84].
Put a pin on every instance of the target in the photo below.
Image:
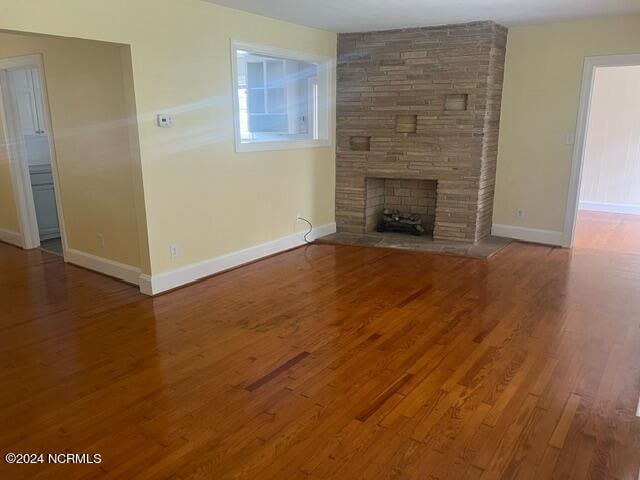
[363, 15]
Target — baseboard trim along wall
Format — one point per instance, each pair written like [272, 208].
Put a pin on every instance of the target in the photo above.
[105, 266]
[152, 285]
[9, 236]
[610, 207]
[547, 237]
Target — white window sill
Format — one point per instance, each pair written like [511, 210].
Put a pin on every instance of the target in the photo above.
[290, 145]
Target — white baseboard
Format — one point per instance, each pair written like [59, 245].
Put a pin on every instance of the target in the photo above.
[102, 265]
[547, 237]
[9, 236]
[610, 207]
[152, 285]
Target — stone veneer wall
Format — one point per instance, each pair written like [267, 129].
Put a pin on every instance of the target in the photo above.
[401, 114]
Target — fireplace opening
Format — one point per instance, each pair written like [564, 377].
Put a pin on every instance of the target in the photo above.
[401, 205]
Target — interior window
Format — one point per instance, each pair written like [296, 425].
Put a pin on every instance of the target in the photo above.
[278, 100]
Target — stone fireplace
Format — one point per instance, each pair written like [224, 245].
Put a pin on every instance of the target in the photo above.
[417, 127]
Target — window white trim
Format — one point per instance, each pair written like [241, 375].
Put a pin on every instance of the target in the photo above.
[324, 106]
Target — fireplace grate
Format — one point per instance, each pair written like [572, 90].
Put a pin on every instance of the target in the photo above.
[395, 221]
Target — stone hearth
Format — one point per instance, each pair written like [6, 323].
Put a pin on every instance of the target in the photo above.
[420, 105]
[485, 248]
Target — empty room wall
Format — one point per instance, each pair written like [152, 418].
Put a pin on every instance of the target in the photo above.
[9, 224]
[611, 168]
[543, 76]
[199, 193]
[90, 133]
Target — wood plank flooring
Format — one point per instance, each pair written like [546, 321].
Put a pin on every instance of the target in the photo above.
[332, 362]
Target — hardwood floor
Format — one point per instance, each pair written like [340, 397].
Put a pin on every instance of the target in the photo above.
[332, 362]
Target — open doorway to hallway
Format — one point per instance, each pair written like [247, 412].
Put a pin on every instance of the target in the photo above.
[26, 119]
[70, 166]
[609, 202]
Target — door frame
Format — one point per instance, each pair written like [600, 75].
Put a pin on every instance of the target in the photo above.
[582, 131]
[18, 163]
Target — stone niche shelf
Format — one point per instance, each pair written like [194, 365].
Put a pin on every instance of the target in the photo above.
[456, 102]
[406, 123]
[360, 143]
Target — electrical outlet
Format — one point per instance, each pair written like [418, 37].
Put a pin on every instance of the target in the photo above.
[164, 120]
[173, 250]
[520, 212]
[101, 240]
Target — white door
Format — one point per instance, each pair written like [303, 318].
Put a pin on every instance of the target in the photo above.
[22, 87]
[37, 93]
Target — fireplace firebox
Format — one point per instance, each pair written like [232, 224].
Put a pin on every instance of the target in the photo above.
[397, 205]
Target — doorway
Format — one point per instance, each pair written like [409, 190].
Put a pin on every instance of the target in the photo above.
[32, 157]
[603, 208]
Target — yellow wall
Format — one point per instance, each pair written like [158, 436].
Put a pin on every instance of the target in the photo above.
[199, 194]
[543, 75]
[8, 214]
[86, 91]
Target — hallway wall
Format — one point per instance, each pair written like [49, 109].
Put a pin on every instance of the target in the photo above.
[199, 193]
[9, 223]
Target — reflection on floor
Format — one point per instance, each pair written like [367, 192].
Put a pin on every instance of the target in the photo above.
[53, 245]
[610, 232]
[332, 361]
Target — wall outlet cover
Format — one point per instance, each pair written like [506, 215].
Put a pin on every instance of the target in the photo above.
[165, 120]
